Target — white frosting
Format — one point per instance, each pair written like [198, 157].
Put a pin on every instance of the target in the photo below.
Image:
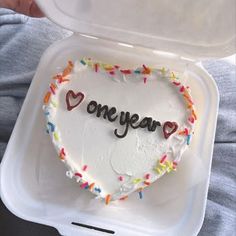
[90, 140]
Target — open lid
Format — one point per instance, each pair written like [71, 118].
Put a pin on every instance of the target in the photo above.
[196, 29]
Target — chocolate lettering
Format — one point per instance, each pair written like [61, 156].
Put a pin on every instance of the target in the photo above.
[110, 113]
[102, 109]
[92, 107]
[144, 122]
[153, 125]
[134, 118]
[149, 123]
[126, 120]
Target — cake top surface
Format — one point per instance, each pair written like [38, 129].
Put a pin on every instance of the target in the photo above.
[118, 130]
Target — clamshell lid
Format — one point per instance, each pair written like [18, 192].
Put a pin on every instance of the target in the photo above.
[196, 29]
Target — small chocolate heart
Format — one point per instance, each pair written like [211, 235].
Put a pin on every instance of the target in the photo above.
[70, 95]
[169, 128]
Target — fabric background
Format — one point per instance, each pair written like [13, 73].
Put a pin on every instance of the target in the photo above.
[22, 42]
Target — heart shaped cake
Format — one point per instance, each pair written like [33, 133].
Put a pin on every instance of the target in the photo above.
[118, 130]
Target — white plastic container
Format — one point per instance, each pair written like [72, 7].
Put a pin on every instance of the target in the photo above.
[33, 182]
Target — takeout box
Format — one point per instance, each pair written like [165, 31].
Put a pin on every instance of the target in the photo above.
[177, 35]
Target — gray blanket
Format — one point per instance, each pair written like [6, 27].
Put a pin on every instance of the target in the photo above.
[22, 42]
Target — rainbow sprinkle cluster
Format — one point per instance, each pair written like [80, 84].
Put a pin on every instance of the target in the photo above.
[165, 165]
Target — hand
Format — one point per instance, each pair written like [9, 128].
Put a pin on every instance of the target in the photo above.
[26, 7]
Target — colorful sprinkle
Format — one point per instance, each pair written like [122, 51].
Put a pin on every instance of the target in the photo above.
[186, 131]
[126, 72]
[188, 99]
[47, 97]
[84, 185]
[91, 186]
[174, 165]
[96, 67]
[181, 132]
[111, 72]
[58, 78]
[62, 153]
[181, 89]
[172, 76]
[64, 80]
[147, 176]
[89, 63]
[121, 178]
[123, 198]
[108, 67]
[194, 114]
[140, 193]
[137, 71]
[83, 62]
[108, 199]
[51, 126]
[97, 190]
[56, 136]
[146, 70]
[78, 174]
[54, 103]
[176, 83]
[191, 119]
[163, 159]
[146, 183]
[52, 88]
[163, 167]
[188, 139]
[158, 170]
[169, 166]
[136, 181]
[70, 63]
[84, 167]
[145, 80]
[67, 70]
[163, 70]
[54, 85]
